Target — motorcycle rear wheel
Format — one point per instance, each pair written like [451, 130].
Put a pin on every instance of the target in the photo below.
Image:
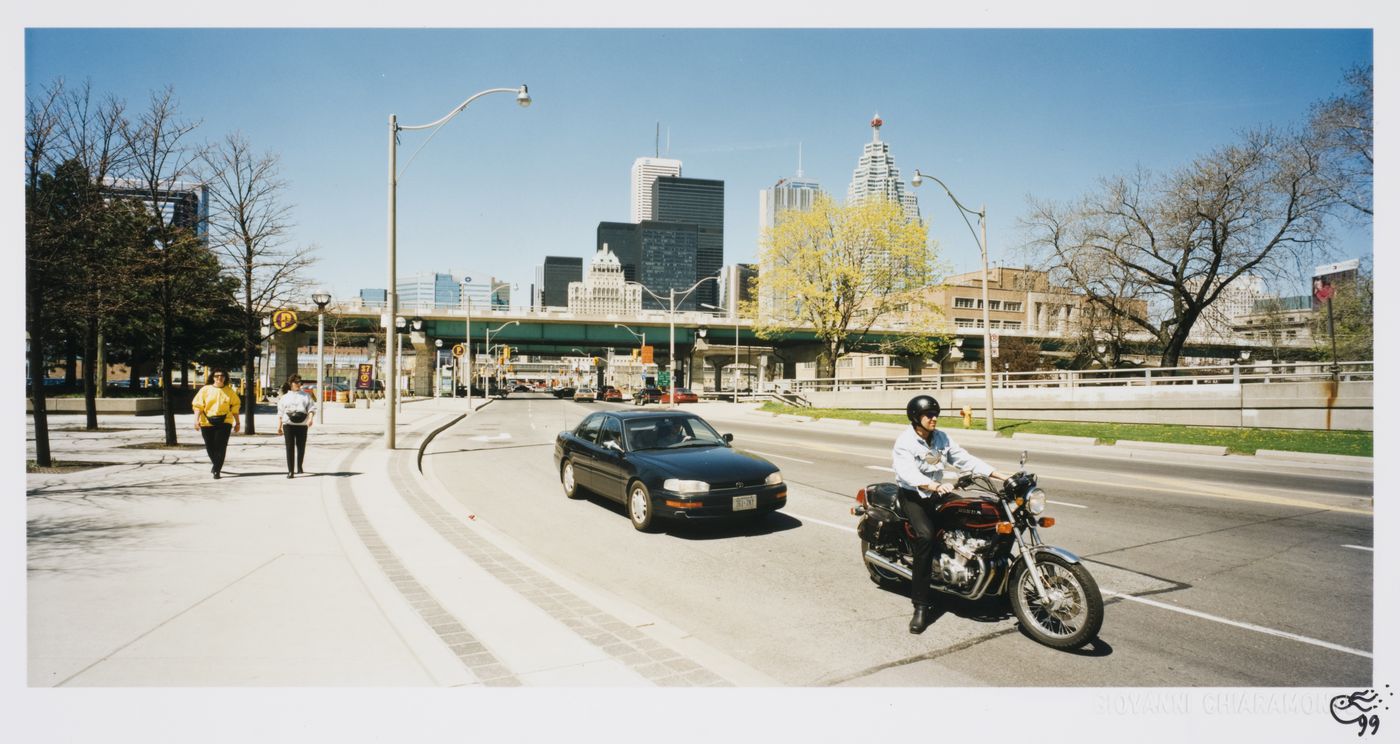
[1076, 613]
[878, 575]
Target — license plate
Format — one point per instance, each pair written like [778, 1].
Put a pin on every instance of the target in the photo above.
[745, 502]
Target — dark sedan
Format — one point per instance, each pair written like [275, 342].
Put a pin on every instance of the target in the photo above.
[647, 395]
[665, 465]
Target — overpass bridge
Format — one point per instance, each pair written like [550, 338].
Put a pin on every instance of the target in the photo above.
[701, 338]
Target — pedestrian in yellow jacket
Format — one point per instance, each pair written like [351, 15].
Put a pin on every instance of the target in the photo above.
[215, 416]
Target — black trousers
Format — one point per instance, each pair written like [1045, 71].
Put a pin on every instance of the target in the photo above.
[216, 444]
[295, 438]
[923, 521]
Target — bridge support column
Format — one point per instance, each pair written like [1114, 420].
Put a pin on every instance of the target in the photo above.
[285, 355]
[421, 382]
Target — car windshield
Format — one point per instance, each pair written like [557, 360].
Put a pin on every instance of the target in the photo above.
[671, 432]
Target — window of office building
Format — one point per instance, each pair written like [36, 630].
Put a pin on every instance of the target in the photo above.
[1012, 307]
[965, 322]
[994, 304]
[844, 363]
[1011, 325]
[964, 302]
[877, 361]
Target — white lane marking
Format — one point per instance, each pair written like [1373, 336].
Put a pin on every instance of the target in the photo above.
[821, 522]
[1062, 503]
[877, 467]
[1246, 626]
[1359, 547]
[782, 457]
[493, 438]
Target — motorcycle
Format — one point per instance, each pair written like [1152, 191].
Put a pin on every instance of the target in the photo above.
[988, 544]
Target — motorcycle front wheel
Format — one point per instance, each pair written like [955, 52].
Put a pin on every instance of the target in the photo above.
[1074, 613]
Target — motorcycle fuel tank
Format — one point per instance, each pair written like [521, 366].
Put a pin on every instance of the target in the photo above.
[970, 513]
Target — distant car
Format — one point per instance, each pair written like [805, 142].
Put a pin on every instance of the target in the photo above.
[476, 391]
[682, 395]
[647, 395]
[608, 392]
[563, 392]
[665, 465]
[585, 394]
[522, 388]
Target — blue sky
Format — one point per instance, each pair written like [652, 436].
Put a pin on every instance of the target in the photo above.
[1000, 115]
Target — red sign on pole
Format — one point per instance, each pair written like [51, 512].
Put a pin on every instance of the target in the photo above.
[1322, 289]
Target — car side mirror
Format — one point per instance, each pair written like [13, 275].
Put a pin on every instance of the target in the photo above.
[728, 437]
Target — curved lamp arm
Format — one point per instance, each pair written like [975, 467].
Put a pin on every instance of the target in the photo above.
[522, 96]
[981, 215]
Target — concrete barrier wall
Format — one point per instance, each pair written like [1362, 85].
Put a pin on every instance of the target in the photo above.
[1278, 405]
[123, 406]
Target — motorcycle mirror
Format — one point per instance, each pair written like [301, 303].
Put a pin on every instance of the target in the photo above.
[1023, 458]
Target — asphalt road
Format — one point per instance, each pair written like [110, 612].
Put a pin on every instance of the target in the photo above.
[1216, 574]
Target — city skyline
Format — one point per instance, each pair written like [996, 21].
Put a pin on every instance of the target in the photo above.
[1041, 113]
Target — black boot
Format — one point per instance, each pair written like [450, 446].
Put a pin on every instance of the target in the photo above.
[923, 615]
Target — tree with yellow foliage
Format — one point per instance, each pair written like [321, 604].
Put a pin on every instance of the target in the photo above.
[842, 271]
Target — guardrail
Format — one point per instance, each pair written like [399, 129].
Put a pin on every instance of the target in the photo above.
[1263, 372]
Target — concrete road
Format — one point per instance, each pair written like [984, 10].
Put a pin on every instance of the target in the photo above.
[1217, 573]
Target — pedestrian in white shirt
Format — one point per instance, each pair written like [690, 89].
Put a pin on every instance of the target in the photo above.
[295, 409]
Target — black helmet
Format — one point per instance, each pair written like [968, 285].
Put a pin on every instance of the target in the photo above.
[918, 405]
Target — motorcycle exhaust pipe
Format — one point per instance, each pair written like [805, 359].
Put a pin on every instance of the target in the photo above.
[884, 563]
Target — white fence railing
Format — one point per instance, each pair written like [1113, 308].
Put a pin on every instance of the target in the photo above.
[1263, 372]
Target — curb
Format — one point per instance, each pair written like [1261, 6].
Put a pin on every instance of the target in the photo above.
[1054, 439]
[1195, 449]
[1315, 457]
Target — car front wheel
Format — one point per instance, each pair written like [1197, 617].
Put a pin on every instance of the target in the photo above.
[639, 507]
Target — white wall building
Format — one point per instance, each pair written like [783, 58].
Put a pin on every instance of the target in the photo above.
[604, 290]
[876, 175]
[645, 171]
[1219, 319]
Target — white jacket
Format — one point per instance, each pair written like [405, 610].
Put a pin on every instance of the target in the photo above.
[298, 402]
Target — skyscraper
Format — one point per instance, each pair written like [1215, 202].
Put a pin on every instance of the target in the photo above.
[876, 175]
[558, 272]
[787, 195]
[624, 239]
[603, 291]
[699, 202]
[645, 171]
[668, 258]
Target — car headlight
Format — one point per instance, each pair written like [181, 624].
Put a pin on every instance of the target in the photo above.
[685, 486]
[774, 479]
[1035, 501]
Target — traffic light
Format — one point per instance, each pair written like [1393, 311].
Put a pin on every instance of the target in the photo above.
[595, 361]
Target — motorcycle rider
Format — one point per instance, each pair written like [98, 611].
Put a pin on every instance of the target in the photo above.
[919, 456]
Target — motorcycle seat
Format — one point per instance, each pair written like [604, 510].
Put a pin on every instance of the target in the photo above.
[885, 496]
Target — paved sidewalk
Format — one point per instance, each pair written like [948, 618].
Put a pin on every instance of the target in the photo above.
[362, 572]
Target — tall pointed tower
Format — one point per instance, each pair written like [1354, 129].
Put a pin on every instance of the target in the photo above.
[876, 174]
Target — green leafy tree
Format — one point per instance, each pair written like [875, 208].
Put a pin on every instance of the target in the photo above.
[841, 271]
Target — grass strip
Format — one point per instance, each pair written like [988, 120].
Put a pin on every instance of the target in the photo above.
[1244, 441]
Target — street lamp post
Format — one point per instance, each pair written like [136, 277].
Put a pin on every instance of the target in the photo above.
[437, 368]
[672, 304]
[321, 299]
[917, 181]
[522, 97]
[490, 331]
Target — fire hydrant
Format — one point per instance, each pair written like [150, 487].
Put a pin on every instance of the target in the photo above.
[967, 416]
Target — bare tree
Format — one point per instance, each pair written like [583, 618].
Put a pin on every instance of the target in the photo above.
[42, 246]
[1177, 242]
[105, 271]
[160, 161]
[248, 225]
[1344, 127]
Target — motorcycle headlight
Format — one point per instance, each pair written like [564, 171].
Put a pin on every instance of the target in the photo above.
[1035, 501]
[774, 479]
[685, 486]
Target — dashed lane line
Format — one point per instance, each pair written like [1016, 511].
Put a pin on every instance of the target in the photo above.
[1359, 547]
[1238, 624]
[782, 457]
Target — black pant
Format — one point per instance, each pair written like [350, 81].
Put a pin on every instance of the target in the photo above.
[924, 522]
[295, 438]
[216, 443]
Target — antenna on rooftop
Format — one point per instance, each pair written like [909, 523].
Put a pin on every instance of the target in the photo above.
[799, 159]
[658, 139]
